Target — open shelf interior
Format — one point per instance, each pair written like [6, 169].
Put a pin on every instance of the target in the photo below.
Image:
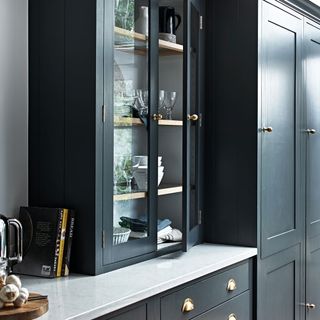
[129, 40]
[162, 191]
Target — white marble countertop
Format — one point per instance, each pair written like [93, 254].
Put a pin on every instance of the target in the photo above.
[88, 297]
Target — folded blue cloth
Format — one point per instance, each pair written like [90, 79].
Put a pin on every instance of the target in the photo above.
[163, 224]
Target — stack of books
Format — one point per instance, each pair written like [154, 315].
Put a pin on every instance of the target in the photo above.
[47, 240]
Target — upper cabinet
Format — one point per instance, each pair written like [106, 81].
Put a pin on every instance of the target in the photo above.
[116, 124]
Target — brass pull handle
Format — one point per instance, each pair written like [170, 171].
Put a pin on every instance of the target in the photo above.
[311, 131]
[267, 129]
[157, 117]
[188, 305]
[232, 316]
[193, 117]
[232, 285]
[310, 306]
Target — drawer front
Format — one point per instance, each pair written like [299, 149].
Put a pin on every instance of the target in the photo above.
[205, 294]
[238, 308]
[139, 313]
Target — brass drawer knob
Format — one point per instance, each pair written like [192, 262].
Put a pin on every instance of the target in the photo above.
[267, 129]
[157, 117]
[193, 117]
[311, 131]
[232, 316]
[232, 285]
[188, 305]
[310, 306]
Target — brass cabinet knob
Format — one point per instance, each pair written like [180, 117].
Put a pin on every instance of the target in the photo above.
[267, 129]
[193, 117]
[188, 305]
[157, 117]
[311, 131]
[232, 316]
[310, 306]
[232, 285]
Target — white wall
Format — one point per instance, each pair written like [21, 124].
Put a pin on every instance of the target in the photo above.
[13, 105]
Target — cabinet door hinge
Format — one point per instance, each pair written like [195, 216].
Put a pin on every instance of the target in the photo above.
[201, 22]
[200, 217]
[103, 113]
[103, 239]
[200, 120]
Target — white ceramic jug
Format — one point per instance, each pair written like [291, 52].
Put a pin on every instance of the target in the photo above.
[142, 22]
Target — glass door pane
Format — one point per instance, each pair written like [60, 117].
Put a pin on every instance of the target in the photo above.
[170, 128]
[130, 126]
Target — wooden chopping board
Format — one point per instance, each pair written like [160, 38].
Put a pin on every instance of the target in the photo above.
[31, 310]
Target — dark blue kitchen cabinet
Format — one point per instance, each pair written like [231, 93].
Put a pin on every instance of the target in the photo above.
[312, 98]
[115, 119]
[262, 127]
[280, 131]
[223, 295]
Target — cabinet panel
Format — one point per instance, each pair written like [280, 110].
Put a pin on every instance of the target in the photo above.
[138, 313]
[312, 98]
[281, 288]
[281, 216]
[239, 308]
[206, 293]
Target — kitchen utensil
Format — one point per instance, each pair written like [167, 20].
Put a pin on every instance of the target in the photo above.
[6, 238]
[169, 21]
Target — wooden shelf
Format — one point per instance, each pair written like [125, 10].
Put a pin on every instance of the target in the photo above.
[137, 42]
[162, 191]
[127, 121]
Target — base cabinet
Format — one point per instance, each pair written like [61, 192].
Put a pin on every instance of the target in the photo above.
[280, 279]
[223, 295]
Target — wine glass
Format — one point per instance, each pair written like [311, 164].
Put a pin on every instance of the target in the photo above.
[143, 100]
[161, 100]
[170, 101]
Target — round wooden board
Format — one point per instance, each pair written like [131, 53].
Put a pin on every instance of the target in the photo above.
[31, 310]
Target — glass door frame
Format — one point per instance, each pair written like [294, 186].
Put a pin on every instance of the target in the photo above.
[148, 245]
[192, 235]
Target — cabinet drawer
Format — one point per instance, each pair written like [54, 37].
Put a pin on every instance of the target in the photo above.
[206, 294]
[238, 308]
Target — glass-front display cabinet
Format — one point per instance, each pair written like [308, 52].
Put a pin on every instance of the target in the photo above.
[153, 199]
[116, 124]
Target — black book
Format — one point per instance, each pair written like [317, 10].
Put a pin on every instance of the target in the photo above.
[41, 241]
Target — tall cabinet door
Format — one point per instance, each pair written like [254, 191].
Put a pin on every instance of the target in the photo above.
[193, 119]
[282, 212]
[312, 103]
[130, 134]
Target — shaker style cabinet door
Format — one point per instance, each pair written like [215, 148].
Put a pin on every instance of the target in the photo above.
[130, 134]
[281, 286]
[281, 206]
[312, 104]
[193, 119]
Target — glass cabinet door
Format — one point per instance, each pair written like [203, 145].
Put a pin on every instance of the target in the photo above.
[129, 213]
[193, 125]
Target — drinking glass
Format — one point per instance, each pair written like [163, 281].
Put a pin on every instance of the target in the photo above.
[169, 103]
[161, 100]
[143, 102]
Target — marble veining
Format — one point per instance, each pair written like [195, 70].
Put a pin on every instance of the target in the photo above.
[86, 297]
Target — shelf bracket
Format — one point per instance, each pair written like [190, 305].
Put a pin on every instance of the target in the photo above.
[103, 239]
[201, 22]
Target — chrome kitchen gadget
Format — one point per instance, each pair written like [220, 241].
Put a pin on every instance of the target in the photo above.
[10, 240]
